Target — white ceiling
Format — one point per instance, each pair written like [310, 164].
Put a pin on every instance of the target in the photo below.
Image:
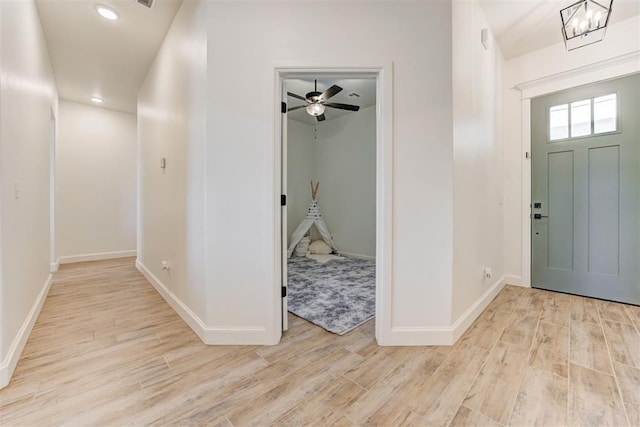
[92, 56]
[366, 88]
[95, 57]
[523, 26]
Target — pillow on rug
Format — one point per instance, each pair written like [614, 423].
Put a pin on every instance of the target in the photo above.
[319, 247]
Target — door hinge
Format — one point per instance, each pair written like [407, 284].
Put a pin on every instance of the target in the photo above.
[283, 200]
[284, 291]
[283, 107]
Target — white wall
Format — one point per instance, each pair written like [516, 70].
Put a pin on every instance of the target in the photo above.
[241, 176]
[95, 182]
[345, 164]
[27, 99]
[477, 158]
[299, 172]
[171, 124]
[544, 71]
[343, 160]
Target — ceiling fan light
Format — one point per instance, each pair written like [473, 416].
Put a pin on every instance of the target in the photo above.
[315, 109]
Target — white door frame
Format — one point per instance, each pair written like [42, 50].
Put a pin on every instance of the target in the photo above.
[384, 182]
[611, 68]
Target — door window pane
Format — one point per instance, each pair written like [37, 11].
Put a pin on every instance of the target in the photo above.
[559, 122]
[605, 114]
[581, 118]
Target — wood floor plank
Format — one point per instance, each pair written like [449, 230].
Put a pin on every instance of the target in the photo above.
[108, 350]
[588, 347]
[343, 422]
[550, 349]
[290, 344]
[613, 311]
[506, 300]
[325, 407]
[469, 418]
[594, 398]
[556, 309]
[629, 382]
[633, 311]
[486, 330]
[495, 389]
[209, 407]
[624, 342]
[532, 300]
[584, 310]
[446, 389]
[383, 403]
[291, 391]
[521, 327]
[542, 400]
[377, 366]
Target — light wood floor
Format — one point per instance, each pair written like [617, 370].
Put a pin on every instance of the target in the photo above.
[107, 350]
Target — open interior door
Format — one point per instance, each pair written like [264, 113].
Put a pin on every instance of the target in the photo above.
[283, 207]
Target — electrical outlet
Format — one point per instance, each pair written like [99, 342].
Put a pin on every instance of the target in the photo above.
[487, 273]
[165, 265]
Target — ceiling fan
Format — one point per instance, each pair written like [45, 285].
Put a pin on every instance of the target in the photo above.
[317, 101]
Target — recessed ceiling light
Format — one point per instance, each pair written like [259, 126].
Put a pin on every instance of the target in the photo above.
[107, 13]
[96, 99]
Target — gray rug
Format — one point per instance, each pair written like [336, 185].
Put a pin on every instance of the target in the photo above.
[338, 296]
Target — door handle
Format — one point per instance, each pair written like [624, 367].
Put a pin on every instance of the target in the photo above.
[540, 216]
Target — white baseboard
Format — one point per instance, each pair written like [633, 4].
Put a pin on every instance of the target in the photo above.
[358, 256]
[444, 335]
[11, 360]
[460, 326]
[410, 336]
[515, 281]
[208, 334]
[96, 256]
[54, 266]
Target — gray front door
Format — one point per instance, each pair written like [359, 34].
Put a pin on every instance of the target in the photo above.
[585, 190]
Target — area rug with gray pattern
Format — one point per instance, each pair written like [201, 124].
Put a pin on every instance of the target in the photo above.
[338, 296]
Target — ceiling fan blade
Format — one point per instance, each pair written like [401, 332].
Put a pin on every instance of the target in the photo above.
[296, 108]
[321, 118]
[329, 92]
[341, 106]
[296, 96]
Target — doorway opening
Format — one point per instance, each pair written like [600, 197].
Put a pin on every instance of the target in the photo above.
[338, 276]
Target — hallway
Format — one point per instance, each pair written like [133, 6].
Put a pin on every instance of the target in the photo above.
[107, 350]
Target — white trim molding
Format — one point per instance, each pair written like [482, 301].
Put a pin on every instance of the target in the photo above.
[208, 334]
[468, 317]
[417, 336]
[17, 346]
[526, 192]
[383, 73]
[611, 68]
[447, 335]
[95, 257]
[515, 281]
[606, 69]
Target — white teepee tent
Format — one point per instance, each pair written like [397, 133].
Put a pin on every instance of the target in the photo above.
[314, 217]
